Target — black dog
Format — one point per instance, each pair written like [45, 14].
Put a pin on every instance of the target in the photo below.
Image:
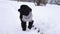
[25, 16]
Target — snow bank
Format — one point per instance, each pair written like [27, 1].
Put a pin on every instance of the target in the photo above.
[47, 18]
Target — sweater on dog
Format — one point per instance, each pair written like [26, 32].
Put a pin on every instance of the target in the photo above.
[27, 18]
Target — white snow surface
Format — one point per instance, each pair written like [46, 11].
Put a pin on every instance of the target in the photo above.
[47, 18]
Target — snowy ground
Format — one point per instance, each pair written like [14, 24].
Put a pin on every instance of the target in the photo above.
[47, 18]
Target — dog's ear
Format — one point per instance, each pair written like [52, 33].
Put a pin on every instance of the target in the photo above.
[19, 10]
[30, 9]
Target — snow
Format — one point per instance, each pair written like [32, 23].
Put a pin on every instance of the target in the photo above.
[47, 18]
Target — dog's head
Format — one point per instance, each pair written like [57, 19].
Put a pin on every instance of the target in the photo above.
[25, 10]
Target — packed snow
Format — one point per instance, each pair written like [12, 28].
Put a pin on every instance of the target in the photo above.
[47, 18]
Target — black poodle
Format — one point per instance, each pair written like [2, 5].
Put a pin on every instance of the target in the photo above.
[25, 16]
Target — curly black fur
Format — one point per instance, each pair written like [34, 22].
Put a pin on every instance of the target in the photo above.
[25, 10]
